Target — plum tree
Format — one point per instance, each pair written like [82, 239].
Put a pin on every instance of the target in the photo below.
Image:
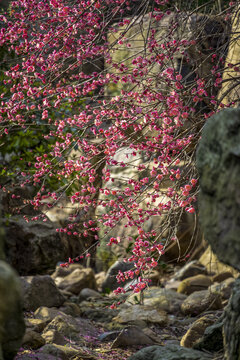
[89, 80]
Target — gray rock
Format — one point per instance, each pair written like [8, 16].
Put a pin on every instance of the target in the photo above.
[40, 291]
[54, 337]
[110, 282]
[194, 283]
[196, 330]
[36, 356]
[47, 314]
[218, 162]
[109, 336]
[64, 271]
[98, 310]
[136, 313]
[71, 308]
[200, 301]
[224, 288]
[191, 269]
[222, 276]
[12, 326]
[32, 340]
[87, 293]
[50, 349]
[77, 280]
[62, 326]
[37, 325]
[71, 328]
[212, 339]
[33, 247]
[169, 352]
[164, 299]
[131, 335]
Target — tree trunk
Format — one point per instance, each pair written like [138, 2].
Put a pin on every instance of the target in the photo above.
[230, 91]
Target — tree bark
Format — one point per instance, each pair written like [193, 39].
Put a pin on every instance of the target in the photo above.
[230, 91]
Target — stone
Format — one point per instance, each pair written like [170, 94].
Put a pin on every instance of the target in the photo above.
[65, 352]
[37, 325]
[222, 276]
[50, 349]
[131, 336]
[98, 310]
[169, 352]
[219, 169]
[163, 299]
[53, 336]
[66, 294]
[100, 277]
[172, 284]
[214, 265]
[64, 271]
[190, 269]
[110, 282]
[200, 301]
[196, 330]
[39, 291]
[12, 326]
[108, 336]
[212, 339]
[36, 356]
[46, 314]
[70, 352]
[77, 280]
[153, 277]
[231, 324]
[195, 283]
[64, 325]
[87, 293]
[224, 288]
[71, 328]
[32, 340]
[33, 247]
[141, 313]
[70, 308]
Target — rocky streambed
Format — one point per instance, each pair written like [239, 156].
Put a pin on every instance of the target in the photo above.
[68, 317]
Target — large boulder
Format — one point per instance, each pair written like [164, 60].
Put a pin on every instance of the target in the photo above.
[12, 324]
[40, 291]
[33, 247]
[219, 169]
